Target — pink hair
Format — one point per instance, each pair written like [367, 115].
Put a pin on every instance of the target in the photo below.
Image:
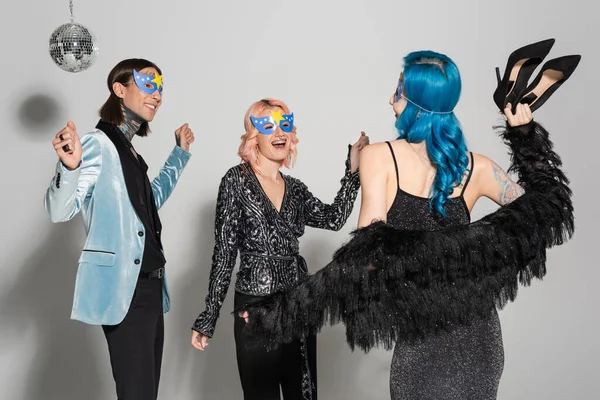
[248, 150]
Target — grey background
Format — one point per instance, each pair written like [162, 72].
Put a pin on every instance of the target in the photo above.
[335, 64]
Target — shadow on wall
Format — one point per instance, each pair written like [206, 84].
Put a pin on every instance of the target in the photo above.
[211, 374]
[63, 364]
[36, 112]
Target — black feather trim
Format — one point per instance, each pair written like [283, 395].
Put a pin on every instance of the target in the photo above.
[388, 285]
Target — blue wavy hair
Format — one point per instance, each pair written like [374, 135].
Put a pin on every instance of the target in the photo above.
[432, 81]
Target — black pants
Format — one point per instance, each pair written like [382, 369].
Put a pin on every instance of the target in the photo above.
[136, 344]
[262, 371]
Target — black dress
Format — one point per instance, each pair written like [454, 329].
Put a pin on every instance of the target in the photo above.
[464, 363]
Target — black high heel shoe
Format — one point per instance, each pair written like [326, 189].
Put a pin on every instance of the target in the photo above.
[552, 75]
[521, 64]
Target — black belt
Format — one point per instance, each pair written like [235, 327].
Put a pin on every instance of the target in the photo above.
[273, 256]
[156, 274]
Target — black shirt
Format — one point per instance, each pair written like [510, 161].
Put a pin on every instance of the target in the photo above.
[139, 188]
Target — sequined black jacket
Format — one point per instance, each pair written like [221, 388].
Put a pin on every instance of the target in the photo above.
[247, 222]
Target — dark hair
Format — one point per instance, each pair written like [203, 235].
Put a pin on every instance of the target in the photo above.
[110, 111]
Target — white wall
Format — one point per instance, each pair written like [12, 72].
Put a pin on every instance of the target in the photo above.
[335, 64]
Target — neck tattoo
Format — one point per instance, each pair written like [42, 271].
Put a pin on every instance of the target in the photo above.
[131, 122]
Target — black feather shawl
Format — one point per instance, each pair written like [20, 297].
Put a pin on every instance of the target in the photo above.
[387, 285]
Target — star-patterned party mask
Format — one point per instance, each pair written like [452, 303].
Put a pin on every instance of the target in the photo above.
[148, 83]
[268, 125]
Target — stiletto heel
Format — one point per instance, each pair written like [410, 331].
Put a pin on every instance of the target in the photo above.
[521, 64]
[552, 75]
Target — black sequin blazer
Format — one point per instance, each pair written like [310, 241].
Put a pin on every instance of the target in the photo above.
[247, 223]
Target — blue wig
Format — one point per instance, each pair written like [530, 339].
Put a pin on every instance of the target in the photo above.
[432, 86]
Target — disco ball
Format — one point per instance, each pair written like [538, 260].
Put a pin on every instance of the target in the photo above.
[73, 47]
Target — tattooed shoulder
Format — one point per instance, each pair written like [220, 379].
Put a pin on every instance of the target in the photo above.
[509, 190]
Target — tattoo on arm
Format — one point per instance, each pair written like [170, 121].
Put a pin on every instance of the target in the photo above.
[509, 190]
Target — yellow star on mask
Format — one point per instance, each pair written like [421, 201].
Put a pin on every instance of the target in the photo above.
[276, 116]
[157, 79]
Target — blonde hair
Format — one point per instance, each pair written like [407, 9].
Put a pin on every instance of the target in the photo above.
[248, 150]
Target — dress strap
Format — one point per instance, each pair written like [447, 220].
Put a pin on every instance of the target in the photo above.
[395, 164]
[470, 174]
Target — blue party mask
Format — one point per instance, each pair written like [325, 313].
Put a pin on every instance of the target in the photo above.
[268, 125]
[399, 90]
[148, 83]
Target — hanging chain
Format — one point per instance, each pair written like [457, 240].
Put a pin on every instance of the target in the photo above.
[71, 9]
